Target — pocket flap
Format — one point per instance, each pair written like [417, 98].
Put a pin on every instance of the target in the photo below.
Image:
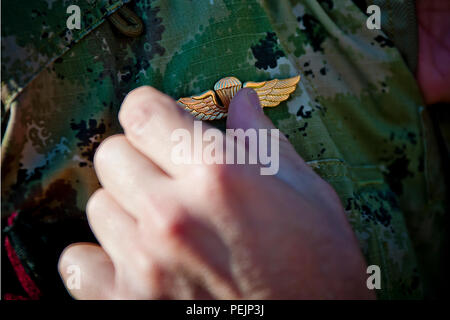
[34, 34]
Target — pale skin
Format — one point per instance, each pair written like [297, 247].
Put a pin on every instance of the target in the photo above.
[433, 70]
[171, 231]
[210, 231]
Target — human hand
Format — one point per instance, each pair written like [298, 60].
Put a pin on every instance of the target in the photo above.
[433, 69]
[196, 231]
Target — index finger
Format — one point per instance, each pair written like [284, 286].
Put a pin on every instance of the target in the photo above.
[149, 119]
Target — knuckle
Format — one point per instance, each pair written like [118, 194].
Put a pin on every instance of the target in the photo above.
[95, 200]
[176, 224]
[150, 274]
[215, 187]
[143, 263]
[218, 180]
[104, 152]
[139, 105]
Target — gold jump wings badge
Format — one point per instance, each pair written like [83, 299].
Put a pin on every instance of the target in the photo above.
[206, 106]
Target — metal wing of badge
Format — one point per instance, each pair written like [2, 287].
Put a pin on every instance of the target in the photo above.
[207, 106]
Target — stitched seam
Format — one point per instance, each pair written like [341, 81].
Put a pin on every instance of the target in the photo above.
[316, 164]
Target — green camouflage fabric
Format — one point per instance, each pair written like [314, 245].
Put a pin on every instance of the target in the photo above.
[357, 116]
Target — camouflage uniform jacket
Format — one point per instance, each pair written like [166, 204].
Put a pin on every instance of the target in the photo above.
[357, 118]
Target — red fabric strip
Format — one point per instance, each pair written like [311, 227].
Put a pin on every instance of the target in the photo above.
[27, 283]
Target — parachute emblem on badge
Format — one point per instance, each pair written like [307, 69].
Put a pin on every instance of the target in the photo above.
[206, 106]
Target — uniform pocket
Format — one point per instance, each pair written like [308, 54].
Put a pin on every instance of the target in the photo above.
[28, 48]
[377, 220]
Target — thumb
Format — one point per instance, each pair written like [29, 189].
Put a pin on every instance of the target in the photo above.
[245, 112]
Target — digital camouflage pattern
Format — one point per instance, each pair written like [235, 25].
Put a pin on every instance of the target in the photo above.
[357, 116]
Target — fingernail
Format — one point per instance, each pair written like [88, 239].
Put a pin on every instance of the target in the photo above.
[253, 99]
